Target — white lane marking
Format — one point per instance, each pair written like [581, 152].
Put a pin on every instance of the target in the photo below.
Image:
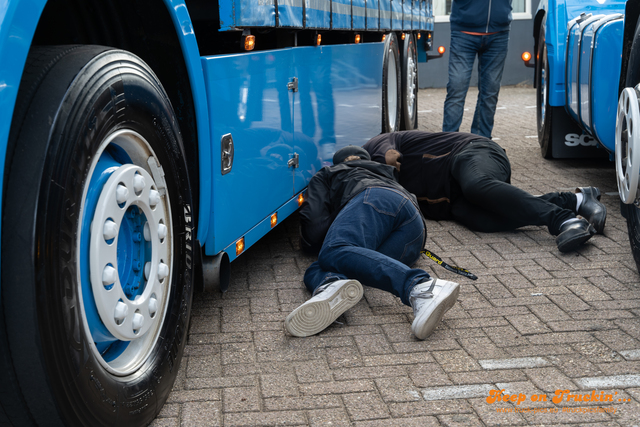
[501, 108]
[523, 362]
[425, 111]
[630, 354]
[615, 381]
[530, 106]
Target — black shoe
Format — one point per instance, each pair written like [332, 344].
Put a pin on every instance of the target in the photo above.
[574, 233]
[591, 208]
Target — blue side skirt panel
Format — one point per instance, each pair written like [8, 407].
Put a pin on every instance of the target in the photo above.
[338, 102]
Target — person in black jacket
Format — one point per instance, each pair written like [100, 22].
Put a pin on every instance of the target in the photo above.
[367, 228]
[465, 177]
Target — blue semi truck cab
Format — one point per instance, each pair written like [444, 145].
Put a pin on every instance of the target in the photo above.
[587, 79]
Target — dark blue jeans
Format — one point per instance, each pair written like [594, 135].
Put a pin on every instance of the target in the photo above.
[375, 239]
[492, 53]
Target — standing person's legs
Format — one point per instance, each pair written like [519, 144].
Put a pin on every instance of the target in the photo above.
[491, 59]
[462, 53]
[483, 171]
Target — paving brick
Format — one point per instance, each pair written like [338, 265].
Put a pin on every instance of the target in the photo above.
[301, 403]
[337, 387]
[368, 372]
[435, 407]
[455, 361]
[365, 406]
[527, 324]
[549, 312]
[569, 302]
[373, 344]
[282, 418]
[484, 377]
[617, 340]
[427, 375]
[400, 422]
[328, 417]
[197, 414]
[241, 399]
[549, 379]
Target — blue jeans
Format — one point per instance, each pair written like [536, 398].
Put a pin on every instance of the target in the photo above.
[375, 239]
[492, 53]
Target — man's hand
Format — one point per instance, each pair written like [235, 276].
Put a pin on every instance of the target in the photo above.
[391, 157]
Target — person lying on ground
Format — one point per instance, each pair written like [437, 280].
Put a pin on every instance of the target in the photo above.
[368, 230]
[466, 177]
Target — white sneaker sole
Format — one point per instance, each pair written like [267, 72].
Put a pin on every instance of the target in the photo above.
[322, 310]
[428, 320]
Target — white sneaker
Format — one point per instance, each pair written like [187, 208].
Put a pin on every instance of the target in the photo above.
[430, 305]
[323, 308]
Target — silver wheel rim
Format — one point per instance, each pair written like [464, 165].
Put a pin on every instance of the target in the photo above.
[136, 321]
[627, 147]
[543, 91]
[392, 91]
[412, 73]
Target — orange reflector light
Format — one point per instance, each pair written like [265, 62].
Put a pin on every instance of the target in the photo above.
[384, 37]
[318, 40]
[429, 35]
[357, 38]
[403, 36]
[526, 56]
[300, 199]
[441, 50]
[239, 246]
[419, 36]
[249, 42]
[274, 219]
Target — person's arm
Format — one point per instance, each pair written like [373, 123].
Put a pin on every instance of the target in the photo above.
[316, 213]
[383, 149]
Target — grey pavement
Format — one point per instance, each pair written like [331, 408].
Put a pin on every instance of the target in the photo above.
[534, 322]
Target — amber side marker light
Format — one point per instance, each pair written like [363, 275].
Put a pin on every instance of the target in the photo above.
[239, 246]
[441, 51]
[526, 57]
[274, 219]
[419, 36]
[403, 36]
[384, 37]
[318, 40]
[249, 42]
[357, 38]
[300, 199]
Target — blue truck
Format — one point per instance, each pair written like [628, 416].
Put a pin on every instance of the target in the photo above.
[587, 76]
[145, 145]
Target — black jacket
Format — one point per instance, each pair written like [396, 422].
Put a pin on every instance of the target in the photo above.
[426, 163]
[331, 189]
[481, 16]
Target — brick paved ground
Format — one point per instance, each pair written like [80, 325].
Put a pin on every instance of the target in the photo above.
[535, 321]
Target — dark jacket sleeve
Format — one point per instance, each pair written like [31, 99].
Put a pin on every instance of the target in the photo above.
[316, 213]
[378, 146]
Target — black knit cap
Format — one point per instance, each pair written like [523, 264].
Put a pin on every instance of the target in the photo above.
[350, 150]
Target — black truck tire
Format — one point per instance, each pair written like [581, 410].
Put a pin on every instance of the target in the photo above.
[97, 243]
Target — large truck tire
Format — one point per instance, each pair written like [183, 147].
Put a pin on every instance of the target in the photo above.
[391, 85]
[627, 142]
[543, 109]
[97, 244]
[409, 119]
